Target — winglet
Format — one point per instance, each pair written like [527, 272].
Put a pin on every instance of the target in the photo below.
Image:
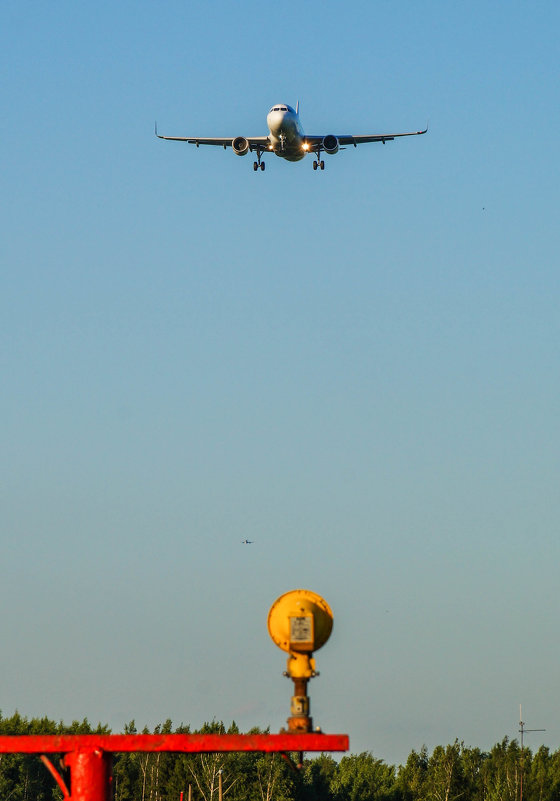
[297, 107]
[155, 129]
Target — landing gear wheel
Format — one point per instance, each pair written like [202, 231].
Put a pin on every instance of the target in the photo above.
[262, 166]
[255, 166]
[322, 164]
[314, 165]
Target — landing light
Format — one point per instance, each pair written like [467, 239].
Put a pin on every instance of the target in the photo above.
[300, 622]
[305, 146]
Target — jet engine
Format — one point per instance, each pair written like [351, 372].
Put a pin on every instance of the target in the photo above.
[330, 144]
[240, 146]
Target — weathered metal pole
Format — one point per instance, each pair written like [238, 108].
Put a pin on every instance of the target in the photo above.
[300, 721]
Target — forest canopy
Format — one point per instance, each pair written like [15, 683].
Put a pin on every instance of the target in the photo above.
[449, 773]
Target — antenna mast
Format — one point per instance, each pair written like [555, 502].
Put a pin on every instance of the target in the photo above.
[522, 729]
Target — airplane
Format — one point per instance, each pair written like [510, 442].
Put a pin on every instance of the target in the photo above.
[287, 140]
[247, 542]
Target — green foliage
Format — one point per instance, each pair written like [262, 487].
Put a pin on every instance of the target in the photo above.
[445, 779]
[361, 777]
[411, 779]
[316, 778]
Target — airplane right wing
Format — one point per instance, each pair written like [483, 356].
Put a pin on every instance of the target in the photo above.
[254, 142]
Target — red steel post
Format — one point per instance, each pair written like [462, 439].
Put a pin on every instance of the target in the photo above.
[90, 774]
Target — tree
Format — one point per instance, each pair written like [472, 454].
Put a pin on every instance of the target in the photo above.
[444, 777]
[207, 768]
[317, 779]
[472, 760]
[361, 777]
[411, 779]
[500, 772]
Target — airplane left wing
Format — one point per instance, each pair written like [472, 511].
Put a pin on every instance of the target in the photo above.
[364, 139]
[361, 139]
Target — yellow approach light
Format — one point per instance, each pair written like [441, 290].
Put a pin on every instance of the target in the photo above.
[300, 622]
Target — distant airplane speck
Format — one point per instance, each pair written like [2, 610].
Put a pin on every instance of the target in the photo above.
[247, 542]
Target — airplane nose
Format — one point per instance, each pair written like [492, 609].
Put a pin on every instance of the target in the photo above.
[274, 119]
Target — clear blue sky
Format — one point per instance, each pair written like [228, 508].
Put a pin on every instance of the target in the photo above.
[357, 369]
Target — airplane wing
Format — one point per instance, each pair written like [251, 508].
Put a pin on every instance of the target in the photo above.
[254, 141]
[361, 139]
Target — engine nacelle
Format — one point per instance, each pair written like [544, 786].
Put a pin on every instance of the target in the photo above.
[330, 144]
[240, 146]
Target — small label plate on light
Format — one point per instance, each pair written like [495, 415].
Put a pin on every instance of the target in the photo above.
[301, 632]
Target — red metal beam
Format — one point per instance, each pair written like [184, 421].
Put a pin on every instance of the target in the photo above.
[184, 743]
[89, 755]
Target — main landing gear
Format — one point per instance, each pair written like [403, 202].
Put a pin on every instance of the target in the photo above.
[258, 164]
[320, 164]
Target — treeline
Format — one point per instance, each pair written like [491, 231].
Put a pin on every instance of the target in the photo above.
[449, 773]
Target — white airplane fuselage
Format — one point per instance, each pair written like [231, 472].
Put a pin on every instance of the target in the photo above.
[286, 134]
